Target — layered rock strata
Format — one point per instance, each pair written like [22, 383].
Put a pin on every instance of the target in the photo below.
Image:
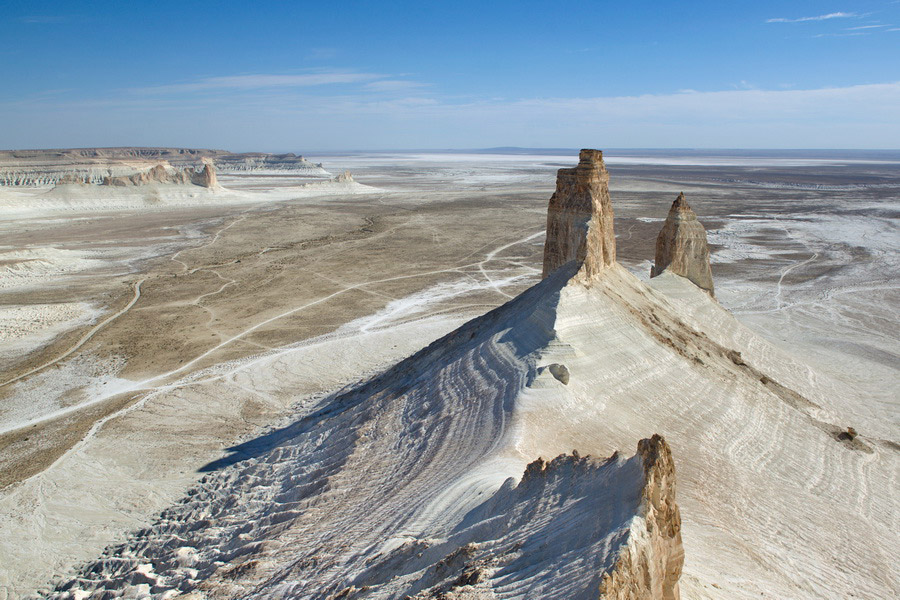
[681, 247]
[93, 165]
[165, 174]
[580, 218]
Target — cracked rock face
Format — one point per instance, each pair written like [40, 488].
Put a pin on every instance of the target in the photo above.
[681, 247]
[580, 218]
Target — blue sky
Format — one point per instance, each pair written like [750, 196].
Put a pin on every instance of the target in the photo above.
[307, 76]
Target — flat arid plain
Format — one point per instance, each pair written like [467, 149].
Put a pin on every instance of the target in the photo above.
[152, 343]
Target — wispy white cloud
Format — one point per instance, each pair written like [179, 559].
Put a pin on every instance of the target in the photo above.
[321, 53]
[866, 27]
[834, 15]
[257, 81]
[43, 19]
[393, 85]
[862, 116]
[847, 34]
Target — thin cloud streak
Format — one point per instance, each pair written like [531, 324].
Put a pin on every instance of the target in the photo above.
[43, 19]
[247, 82]
[862, 116]
[393, 85]
[834, 15]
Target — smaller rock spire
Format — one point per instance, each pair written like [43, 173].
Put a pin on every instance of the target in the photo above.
[681, 246]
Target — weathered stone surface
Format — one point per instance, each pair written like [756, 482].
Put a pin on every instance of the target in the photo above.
[206, 177]
[681, 247]
[650, 566]
[93, 165]
[580, 218]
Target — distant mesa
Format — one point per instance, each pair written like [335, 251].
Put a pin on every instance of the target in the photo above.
[94, 165]
[681, 247]
[164, 174]
[580, 218]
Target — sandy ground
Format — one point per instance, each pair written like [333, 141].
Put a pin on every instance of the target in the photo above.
[127, 331]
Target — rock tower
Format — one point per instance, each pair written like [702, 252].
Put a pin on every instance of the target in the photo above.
[580, 218]
[681, 247]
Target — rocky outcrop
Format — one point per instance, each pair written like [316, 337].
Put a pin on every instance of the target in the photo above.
[345, 177]
[580, 218]
[650, 566]
[164, 174]
[205, 177]
[681, 247]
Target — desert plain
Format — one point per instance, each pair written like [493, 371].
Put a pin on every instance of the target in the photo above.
[142, 339]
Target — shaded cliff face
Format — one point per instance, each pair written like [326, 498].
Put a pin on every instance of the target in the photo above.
[681, 247]
[580, 218]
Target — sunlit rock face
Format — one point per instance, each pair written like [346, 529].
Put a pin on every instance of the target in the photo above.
[681, 247]
[165, 174]
[205, 177]
[580, 218]
[651, 565]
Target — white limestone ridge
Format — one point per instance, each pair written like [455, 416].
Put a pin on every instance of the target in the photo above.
[433, 479]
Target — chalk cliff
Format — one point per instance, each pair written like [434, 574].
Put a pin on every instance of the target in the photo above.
[580, 218]
[161, 173]
[93, 165]
[681, 247]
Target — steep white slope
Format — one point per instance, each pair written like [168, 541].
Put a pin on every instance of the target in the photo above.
[764, 481]
[376, 490]
[403, 486]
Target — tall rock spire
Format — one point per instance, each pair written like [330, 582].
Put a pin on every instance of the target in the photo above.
[681, 246]
[580, 218]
